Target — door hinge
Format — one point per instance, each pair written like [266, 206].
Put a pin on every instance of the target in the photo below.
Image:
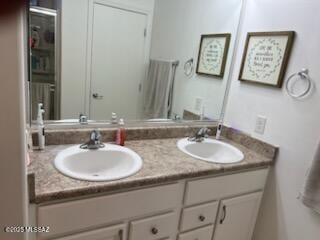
[145, 32]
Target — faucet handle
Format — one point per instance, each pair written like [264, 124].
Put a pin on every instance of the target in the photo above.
[83, 119]
[177, 117]
[203, 131]
[95, 136]
[94, 142]
[206, 133]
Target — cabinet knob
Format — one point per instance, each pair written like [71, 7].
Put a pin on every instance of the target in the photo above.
[202, 218]
[154, 231]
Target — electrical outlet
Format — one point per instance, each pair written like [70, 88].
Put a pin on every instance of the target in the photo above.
[198, 104]
[260, 124]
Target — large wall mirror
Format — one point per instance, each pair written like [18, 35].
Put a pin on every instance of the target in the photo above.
[141, 59]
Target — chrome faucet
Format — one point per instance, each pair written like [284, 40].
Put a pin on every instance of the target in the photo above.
[177, 117]
[200, 135]
[83, 120]
[94, 142]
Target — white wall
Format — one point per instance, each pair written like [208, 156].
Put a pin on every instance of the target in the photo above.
[293, 125]
[74, 39]
[74, 17]
[13, 200]
[178, 25]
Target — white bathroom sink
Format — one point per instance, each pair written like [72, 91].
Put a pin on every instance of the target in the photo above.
[105, 164]
[160, 120]
[71, 121]
[211, 151]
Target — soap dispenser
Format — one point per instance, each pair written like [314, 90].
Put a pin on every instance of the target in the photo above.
[40, 127]
[121, 134]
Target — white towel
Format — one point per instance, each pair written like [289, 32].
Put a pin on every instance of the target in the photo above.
[41, 94]
[310, 195]
[158, 89]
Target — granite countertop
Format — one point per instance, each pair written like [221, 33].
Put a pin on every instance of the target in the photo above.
[163, 163]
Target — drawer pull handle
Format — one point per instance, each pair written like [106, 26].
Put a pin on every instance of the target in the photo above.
[154, 231]
[224, 214]
[97, 96]
[121, 234]
[202, 218]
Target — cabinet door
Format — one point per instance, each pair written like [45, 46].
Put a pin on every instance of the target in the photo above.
[237, 217]
[117, 232]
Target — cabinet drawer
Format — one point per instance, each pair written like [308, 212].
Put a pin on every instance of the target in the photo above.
[111, 233]
[199, 234]
[198, 216]
[152, 228]
[215, 188]
[84, 214]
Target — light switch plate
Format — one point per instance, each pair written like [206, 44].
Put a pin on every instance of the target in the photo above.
[260, 124]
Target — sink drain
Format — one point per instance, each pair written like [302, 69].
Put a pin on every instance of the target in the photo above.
[95, 175]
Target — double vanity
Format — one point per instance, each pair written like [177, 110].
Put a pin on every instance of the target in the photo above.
[157, 187]
[108, 162]
[171, 79]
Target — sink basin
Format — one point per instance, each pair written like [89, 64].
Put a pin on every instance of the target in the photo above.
[160, 120]
[112, 162]
[211, 151]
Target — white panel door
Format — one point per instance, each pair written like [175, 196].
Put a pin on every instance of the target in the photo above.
[118, 62]
[237, 217]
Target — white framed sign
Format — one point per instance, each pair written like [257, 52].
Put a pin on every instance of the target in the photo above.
[265, 57]
[213, 53]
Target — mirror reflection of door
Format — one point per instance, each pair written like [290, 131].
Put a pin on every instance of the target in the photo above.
[117, 62]
[136, 58]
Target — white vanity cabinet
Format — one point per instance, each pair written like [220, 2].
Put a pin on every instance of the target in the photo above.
[229, 203]
[221, 207]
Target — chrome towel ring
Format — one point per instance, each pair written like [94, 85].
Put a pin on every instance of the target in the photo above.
[304, 75]
[188, 67]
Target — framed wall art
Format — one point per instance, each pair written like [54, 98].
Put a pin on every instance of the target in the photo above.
[265, 57]
[213, 53]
